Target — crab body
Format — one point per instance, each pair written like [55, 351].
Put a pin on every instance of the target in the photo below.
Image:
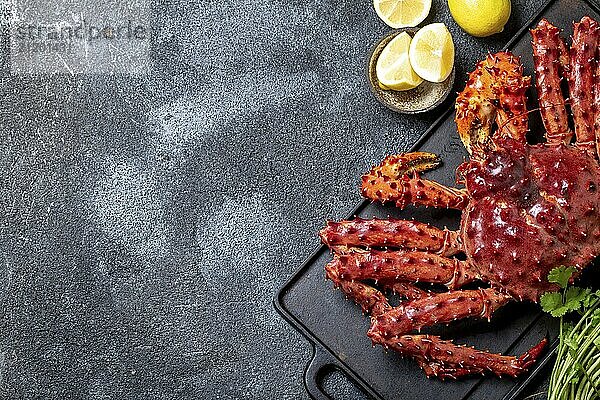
[526, 209]
[530, 209]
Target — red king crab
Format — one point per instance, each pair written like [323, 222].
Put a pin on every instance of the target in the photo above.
[525, 209]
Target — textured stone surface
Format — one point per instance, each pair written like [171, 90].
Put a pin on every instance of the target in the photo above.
[147, 221]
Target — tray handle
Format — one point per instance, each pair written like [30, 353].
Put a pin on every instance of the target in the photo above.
[321, 364]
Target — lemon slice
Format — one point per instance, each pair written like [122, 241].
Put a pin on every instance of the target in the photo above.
[431, 52]
[402, 13]
[393, 66]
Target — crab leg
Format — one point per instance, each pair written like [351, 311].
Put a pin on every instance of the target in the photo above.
[439, 357]
[581, 80]
[371, 300]
[396, 180]
[391, 232]
[411, 266]
[597, 100]
[444, 359]
[512, 116]
[404, 289]
[437, 308]
[549, 54]
[564, 58]
[439, 370]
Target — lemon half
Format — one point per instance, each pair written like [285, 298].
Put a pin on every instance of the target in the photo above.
[431, 52]
[480, 17]
[393, 66]
[402, 13]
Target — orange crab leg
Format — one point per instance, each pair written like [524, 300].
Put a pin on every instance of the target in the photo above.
[581, 80]
[411, 266]
[396, 233]
[396, 180]
[548, 50]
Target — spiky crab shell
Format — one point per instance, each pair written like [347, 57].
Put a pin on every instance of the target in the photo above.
[531, 208]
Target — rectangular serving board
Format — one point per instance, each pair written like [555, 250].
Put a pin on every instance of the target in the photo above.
[336, 326]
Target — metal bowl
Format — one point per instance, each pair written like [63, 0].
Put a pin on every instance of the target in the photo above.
[423, 98]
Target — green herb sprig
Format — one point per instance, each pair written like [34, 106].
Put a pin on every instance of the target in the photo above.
[576, 373]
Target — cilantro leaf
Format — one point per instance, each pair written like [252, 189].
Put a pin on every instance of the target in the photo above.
[591, 298]
[567, 329]
[551, 302]
[587, 303]
[572, 346]
[561, 275]
[574, 296]
[571, 342]
[560, 311]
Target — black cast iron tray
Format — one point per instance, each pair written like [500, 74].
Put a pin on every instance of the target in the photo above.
[336, 326]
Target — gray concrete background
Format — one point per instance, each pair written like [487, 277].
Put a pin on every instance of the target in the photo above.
[146, 221]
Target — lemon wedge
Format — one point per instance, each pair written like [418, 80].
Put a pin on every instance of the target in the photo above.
[402, 13]
[393, 67]
[480, 17]
[431, 52]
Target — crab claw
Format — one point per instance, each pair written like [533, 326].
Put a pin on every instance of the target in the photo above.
[396, 180]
